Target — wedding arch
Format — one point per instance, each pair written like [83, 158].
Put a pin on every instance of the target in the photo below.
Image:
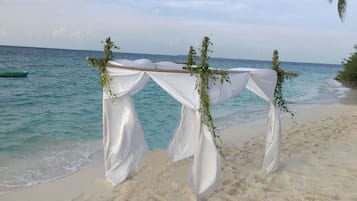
[124, 143]
[123, 137]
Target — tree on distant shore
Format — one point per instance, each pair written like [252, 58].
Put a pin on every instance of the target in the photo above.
[341, 7]
[348, 76]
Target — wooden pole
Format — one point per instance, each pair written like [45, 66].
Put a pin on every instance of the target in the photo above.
[160, 70]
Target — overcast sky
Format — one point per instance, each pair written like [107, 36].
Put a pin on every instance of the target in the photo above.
[302, 30]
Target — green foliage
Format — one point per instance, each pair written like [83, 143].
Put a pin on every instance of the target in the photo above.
[101, 62]
[282, 76]
[206, 75]
[349, 74]
[191, 57]
[341, 8]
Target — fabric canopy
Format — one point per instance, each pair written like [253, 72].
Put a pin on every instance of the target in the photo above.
[124, 143]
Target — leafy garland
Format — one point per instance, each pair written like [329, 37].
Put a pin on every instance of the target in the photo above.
[100, 64]
[282, 75]
[206, 75]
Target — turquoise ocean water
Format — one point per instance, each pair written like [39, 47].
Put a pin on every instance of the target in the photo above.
[51, 121]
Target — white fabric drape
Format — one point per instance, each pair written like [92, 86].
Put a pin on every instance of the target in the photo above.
[191, 136]
[272, 141]
[123, 136]
[206, 175]
[262, 82]
[184, 140]
[181, 86]
[125, 145]
[123, 139]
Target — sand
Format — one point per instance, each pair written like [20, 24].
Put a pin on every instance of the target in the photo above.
[318, 163]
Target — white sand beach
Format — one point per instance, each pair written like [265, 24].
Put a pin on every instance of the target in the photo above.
[318, 163]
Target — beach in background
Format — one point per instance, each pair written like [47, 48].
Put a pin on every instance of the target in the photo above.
[51, 127]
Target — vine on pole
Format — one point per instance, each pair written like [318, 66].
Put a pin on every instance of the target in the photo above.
[282, 76]
[205, 76]
[101, 62]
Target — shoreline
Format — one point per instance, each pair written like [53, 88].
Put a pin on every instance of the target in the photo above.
[165, 177]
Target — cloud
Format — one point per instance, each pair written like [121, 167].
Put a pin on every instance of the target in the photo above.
[63, 33]
[244, 11]
[239, 29]
[3, 33]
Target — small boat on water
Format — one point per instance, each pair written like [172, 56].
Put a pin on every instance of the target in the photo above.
[13, 74]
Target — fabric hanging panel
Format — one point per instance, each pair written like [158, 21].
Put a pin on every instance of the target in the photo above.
[272, 141]
[220, 93]
[181, 86]
[184, 140]
[262, 82]
[123, 136]
[123, 139]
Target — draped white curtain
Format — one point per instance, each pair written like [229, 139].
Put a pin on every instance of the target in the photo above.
[123, 136]
[262, 82]
[124, 143]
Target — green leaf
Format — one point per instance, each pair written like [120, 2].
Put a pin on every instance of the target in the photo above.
[282, 76]
[100, 64]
